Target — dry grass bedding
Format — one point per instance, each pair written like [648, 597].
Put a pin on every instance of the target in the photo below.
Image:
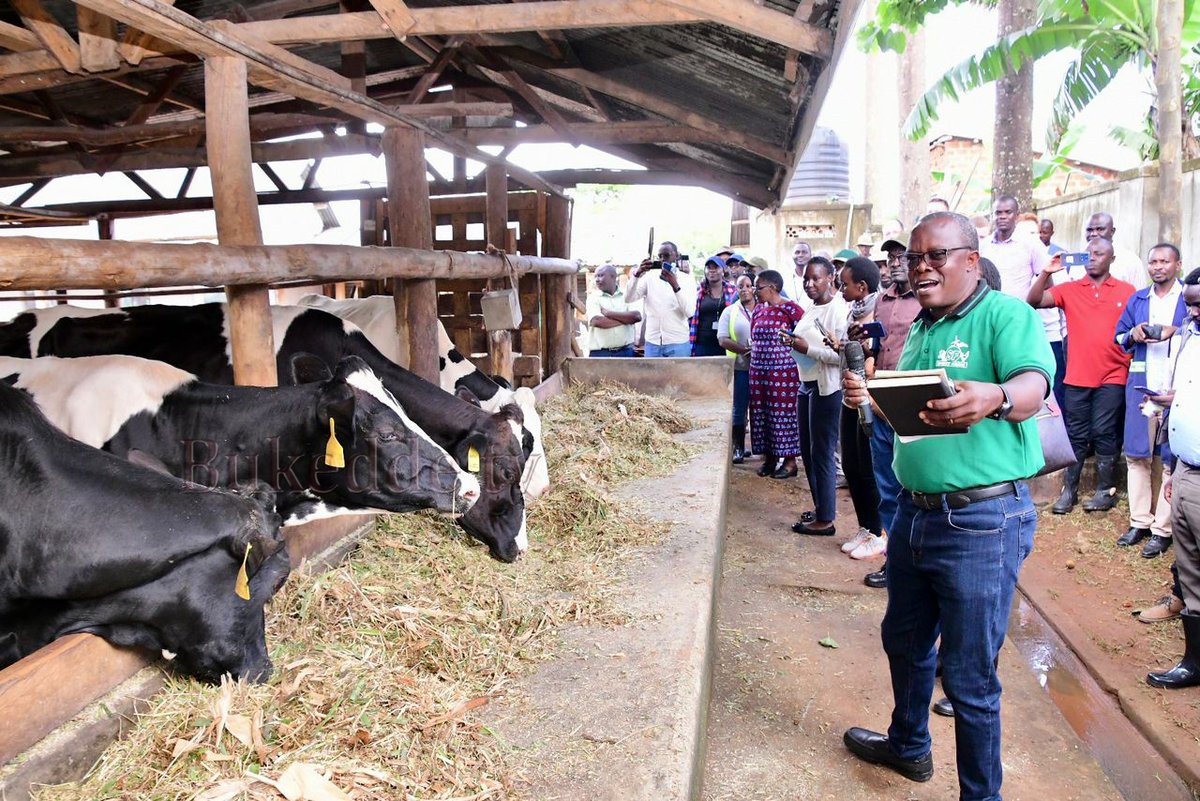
[381, 661]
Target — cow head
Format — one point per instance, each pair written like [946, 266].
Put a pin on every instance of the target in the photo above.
[535, 476]
[498, 519]
[390, 463]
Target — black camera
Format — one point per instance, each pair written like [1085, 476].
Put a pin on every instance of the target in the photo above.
[1152, 331]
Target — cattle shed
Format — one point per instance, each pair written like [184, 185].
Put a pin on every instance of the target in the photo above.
[720, 94]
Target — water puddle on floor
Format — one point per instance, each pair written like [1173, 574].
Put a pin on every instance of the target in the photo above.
[1135, 768]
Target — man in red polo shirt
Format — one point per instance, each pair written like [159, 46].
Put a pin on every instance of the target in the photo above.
[1094, 387]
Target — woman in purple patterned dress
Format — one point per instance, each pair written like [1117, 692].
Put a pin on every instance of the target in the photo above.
[774, 380]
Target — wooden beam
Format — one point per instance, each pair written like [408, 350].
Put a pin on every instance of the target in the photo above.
[97, 41]
[595, 132]
[410, 225]
[17, 39]
[277, 69]
[236, 206]
[475, 19]
[499, 342]
[765, 23]
[395, 16]
[50, 33]
[547, 112]
[426, 81]
[136, 45]
[116, 265]
[142, 184]
[559, 322]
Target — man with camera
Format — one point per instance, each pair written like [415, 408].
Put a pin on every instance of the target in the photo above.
[668, 290]
[1151, 318]
[1096, 369]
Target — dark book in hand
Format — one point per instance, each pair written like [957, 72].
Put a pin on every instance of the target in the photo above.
[901, 395]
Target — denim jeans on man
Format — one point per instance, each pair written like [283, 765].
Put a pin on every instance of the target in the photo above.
[608, 353]
[954, 569]
[883, 446]
[678, 349]
[741, 396]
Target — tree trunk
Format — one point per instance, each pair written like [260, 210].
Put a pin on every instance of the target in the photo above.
[1167, 81]
[1012, 139]
[914, 156]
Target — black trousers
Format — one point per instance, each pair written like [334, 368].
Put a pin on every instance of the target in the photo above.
[857, 468]
[1094, 418]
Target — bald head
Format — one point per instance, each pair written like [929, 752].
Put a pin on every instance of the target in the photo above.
[606, 278]
[1100, 226]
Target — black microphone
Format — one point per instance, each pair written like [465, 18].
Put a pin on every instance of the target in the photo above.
[854, 360]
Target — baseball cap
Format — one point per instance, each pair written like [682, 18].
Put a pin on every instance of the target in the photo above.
[714, 260]
[844, 255]
[759, 262]
[899, 240]
[725, 251]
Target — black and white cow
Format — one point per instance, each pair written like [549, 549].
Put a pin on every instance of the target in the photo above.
[196, 339]
[376, 316]
[92, 543]
[223, 436]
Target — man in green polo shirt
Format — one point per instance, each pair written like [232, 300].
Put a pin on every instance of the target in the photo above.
[966, 520]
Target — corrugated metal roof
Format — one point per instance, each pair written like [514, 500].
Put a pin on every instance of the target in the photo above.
[733, 80]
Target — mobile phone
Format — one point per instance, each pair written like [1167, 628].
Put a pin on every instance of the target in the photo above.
[1148, 391]
[874, 329]
[1075, 259]
[824, 333]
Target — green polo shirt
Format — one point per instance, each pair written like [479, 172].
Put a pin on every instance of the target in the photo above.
[989, 337]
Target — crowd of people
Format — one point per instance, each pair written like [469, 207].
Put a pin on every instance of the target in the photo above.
[1024, 328]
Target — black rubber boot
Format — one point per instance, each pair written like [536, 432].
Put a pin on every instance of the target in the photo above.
[739, 444]
[1106, 486]
[1187, 672]
[1070, 491]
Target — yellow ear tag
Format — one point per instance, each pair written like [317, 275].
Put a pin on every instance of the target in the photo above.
[334, 455]
[241, 587]
[472, 460]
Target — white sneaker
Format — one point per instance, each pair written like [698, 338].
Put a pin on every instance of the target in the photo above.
[857, 540]
[872, 548]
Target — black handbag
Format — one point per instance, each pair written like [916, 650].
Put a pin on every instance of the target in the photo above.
[1052, 431]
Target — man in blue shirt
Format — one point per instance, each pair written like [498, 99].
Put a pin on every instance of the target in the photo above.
[1183, 487]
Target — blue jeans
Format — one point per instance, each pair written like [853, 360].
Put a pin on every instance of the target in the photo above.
[741, 396]
[676, 349]
[1060, 371]
[883, 445]
[954, 569]
[626, 351]
[820, 420]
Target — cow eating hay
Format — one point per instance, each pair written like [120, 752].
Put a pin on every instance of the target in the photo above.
[382, 662]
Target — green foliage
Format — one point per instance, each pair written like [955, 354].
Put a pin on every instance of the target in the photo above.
[894, 19]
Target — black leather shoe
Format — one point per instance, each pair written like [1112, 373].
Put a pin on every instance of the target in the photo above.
[739, 454]
[781, 473]
[873, 747]
[801, 527]
[1155, 546]
[878, 579]
[808, 517]
[768, 467]
[943, 707]
[1133, 536]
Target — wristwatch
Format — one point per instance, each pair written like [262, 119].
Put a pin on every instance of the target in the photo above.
[1005, 408]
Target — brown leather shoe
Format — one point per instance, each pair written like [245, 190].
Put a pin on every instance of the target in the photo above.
[1167, 608]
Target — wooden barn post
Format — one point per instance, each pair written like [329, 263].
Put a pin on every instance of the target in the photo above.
[556, 306]
[410, 225]
[500, 349]
[227, 133]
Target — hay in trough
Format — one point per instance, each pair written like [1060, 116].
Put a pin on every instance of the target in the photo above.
[381, 662]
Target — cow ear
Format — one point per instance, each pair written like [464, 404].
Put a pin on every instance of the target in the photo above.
[511, 411]
[309, 369]
[502, 382]
[462, 393]
[348, 366]
[474, 441]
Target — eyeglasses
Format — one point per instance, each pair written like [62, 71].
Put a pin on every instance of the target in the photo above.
[935, 258]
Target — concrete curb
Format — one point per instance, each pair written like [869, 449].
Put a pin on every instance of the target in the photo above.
[1138, 710]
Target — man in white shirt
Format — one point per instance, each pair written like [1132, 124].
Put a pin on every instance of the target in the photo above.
[610, 320]
[669, 295]
[793, 280]
[1127, 265]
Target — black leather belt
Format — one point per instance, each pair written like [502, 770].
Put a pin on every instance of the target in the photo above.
[962, 498]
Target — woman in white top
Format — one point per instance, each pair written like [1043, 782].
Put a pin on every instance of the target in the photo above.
[733, 332]
[819, 407]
